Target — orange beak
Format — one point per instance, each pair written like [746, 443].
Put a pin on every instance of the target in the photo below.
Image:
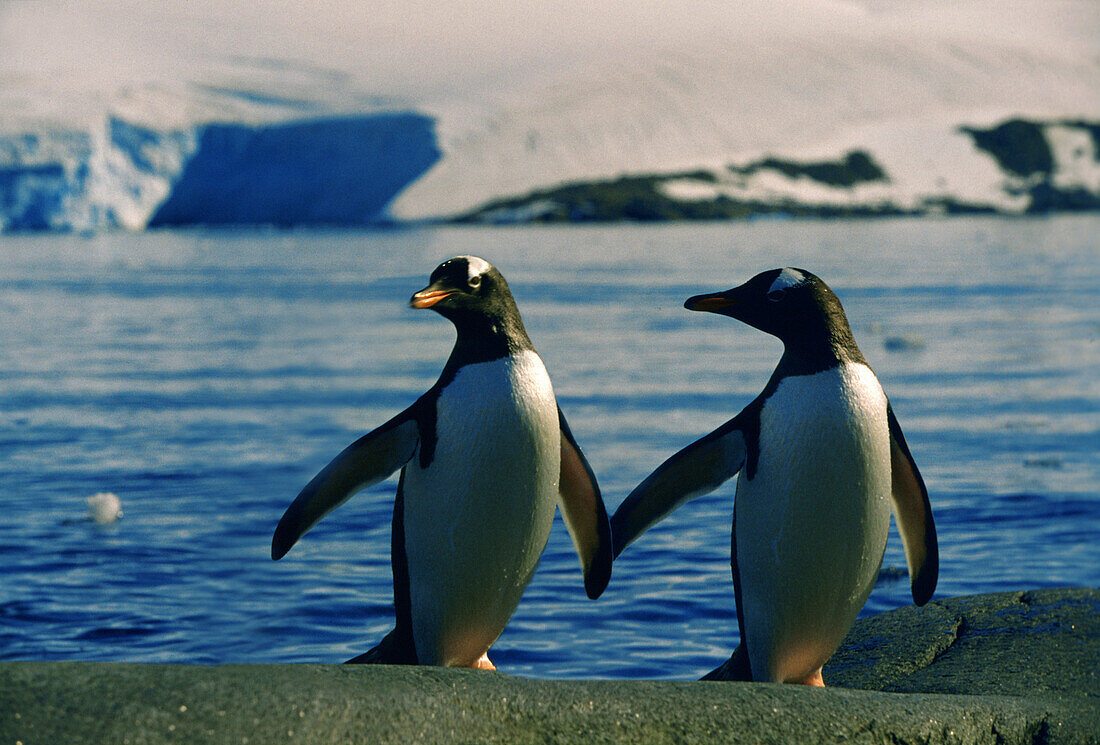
[427, 298]
[711, 303]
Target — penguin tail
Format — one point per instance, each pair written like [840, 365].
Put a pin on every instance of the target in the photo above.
[392, 650]
[735, 668]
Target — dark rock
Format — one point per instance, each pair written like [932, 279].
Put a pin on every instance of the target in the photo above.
[1032, 658]
[855, 168]
[1043, 642]
[1020, 147]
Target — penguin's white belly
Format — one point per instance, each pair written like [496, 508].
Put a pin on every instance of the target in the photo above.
[478, 517]
[811, 525]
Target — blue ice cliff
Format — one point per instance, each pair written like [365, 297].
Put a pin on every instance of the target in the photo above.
[329, 171]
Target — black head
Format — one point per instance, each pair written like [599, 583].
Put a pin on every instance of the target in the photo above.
[472, 294]
[791, 304]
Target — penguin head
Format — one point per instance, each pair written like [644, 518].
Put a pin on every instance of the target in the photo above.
[472, 294]
[792, 304]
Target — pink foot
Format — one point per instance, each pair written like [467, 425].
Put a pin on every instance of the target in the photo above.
[483, 663]
[813, 679]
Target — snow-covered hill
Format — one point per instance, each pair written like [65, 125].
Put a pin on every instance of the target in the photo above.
[130, 114]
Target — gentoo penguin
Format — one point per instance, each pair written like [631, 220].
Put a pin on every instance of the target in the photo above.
[484, 457]
[821, 459]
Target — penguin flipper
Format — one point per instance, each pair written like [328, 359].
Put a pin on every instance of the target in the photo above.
[913, 514]
[365, 462]
[584, 514]
[698, 469]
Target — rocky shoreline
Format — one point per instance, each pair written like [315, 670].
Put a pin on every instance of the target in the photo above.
[1020, 667]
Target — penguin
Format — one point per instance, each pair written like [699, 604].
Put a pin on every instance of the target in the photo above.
[484, 456]
[820, 460]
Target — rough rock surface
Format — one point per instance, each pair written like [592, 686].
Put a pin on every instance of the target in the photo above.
[1005, 668]
[1043, 643]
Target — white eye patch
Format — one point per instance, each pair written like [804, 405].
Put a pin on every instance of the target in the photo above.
[475, 266]
[787, 279]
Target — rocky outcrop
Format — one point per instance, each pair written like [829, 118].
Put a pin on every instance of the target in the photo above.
[1015, 167]
[1006, 668]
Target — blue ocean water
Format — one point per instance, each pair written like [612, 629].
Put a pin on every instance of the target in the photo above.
[204, 377]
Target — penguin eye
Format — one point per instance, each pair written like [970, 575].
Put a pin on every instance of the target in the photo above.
[776, 295]
[474, 281]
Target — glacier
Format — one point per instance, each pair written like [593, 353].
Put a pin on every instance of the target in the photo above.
[135, 115]
[327, 171]
[342, 171]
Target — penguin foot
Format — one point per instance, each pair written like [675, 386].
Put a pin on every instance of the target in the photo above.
[483, 663]
[813, 679]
